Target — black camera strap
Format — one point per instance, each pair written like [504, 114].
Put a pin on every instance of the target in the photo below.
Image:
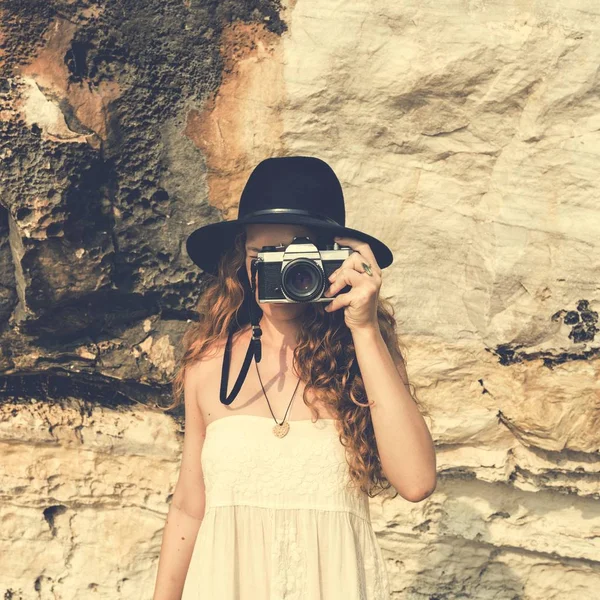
[254, 348]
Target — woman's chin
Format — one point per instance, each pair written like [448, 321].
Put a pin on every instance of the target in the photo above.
[282, 308]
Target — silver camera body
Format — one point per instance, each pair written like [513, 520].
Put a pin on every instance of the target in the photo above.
[298, 272]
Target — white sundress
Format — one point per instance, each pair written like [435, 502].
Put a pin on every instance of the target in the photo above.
[281, 520]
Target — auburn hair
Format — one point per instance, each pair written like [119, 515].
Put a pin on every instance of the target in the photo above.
[323, 357]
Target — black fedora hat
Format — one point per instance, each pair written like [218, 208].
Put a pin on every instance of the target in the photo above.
[297, 190]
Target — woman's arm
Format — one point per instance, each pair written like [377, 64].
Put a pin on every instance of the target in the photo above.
[187, 506]
[403, 439]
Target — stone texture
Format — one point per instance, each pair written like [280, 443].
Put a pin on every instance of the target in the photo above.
[83, 495]
[465, 135]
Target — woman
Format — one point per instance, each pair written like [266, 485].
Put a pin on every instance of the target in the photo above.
[272, 496]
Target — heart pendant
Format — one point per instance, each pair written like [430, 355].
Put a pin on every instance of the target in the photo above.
[281, 430]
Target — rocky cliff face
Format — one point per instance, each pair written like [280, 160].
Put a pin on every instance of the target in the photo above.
[465, 136]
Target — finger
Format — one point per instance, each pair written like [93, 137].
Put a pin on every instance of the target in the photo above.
[357, 262]
[344, 277]
[338, 302]
[362, 248]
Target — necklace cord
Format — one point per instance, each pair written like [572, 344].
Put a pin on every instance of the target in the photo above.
[265, 393]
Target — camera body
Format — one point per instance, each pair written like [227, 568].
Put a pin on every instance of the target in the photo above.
[299, 272]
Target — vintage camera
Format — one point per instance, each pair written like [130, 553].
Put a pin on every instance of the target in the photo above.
[299, 272]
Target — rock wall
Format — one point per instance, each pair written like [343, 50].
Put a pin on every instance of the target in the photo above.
[466, 136]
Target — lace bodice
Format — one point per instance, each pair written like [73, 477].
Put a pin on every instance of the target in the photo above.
[307, 468]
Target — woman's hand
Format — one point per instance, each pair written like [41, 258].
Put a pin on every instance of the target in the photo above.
[360, 303]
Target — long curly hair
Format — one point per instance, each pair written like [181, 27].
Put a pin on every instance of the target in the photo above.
[323, 358]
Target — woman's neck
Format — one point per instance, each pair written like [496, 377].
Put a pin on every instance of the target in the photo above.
[277, 334]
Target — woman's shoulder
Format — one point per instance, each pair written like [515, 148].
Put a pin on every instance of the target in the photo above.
[208, 368]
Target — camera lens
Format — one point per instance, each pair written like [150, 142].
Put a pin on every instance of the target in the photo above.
[302, 280]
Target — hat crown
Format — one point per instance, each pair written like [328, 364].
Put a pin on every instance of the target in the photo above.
[294, 182]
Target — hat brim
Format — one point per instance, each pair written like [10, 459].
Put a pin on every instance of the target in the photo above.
[207, 244]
